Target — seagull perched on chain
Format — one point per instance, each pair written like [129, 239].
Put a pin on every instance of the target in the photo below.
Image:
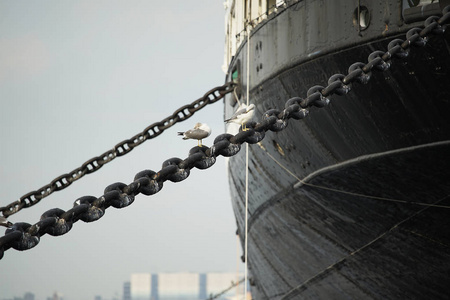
[199, 132]
[242, 115]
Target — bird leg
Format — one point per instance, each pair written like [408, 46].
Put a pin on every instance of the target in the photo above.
[200, 143]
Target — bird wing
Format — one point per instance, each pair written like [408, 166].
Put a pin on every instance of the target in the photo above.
[196, 134]
[237, 113]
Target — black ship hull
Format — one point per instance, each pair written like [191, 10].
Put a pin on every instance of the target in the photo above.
[353, 201]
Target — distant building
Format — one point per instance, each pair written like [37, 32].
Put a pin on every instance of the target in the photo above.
[218, 282]
[126, 291]
[203, 294]
[141, 286]
[28, 296]
[154, 289]
[98, 297]
[180, 286]
[56, 296]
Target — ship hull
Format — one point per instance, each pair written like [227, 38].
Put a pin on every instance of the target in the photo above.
[357, 231]
[351, 202]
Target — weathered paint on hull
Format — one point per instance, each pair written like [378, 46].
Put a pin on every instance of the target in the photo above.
[307, 242]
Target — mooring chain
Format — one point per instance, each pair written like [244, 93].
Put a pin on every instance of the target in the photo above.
[122, 148]
[23, 236]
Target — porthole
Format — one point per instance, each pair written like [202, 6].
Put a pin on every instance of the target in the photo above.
[361, 18]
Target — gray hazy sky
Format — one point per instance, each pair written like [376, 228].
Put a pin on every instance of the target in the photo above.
[76, 78]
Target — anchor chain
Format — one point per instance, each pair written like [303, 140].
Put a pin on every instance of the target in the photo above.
[23, 236]
[122, 148]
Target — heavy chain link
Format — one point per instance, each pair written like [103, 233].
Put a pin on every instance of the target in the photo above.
[23, 236]
[122, 148]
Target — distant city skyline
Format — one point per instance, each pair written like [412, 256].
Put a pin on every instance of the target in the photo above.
[26, 296]
[182, 286]
[31, 296]
[169, 286]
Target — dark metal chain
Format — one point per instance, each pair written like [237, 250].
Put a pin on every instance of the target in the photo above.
[122, 148]
[23, 236]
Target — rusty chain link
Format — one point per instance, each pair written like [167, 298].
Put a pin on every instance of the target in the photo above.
[23, 236]
[122, 148]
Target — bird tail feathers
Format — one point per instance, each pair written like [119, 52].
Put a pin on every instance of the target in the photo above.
[182, 133]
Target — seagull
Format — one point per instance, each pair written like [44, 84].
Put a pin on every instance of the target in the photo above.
[242, 115]
[199, 132]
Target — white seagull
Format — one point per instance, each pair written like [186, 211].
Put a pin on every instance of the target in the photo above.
[242, 115]
[199, 132]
